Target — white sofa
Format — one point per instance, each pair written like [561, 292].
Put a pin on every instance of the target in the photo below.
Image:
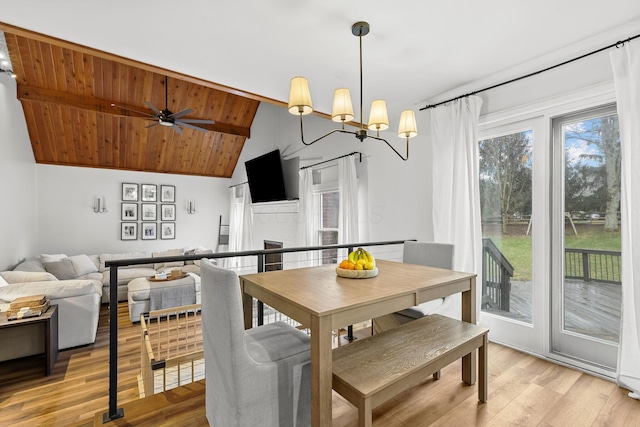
[93, 267]
[78, 304]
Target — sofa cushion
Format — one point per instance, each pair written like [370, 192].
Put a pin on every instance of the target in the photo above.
[202, 252]
[170, 252]
[27, 276]
[63, 269]
[125, 275]
[34, 265]
[51, 257]
[53, 290]
[130, 255]
[82, 265]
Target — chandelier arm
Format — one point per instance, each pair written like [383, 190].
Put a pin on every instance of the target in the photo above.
[323, 136]
[391, 146]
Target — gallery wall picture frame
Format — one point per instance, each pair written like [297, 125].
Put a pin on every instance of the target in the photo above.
[149, 231]
[129, 192]
[167, 212]
[129, 231]
[148, 192]
[149, 212]
[167, 230]
[129, 211]
[168, 193]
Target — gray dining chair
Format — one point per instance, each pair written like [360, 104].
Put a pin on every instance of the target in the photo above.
[255, 377]
[431, 254]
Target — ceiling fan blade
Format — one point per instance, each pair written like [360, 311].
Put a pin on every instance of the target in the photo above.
[153, 107]
[210, 122]
[177, 129]
[152, 124]
[187, 125]
[181, 113]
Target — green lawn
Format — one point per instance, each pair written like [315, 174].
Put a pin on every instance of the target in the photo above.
[516, 246]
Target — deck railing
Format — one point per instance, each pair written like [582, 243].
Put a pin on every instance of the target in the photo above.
[497, 272]
[592, 265]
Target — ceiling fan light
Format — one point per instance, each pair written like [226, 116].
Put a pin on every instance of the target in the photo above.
[378, 118]
[342, 106]
[300, 97]
[407, 127]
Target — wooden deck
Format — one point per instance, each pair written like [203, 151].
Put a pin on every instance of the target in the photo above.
[591, 308]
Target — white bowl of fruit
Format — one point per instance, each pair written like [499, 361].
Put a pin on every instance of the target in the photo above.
[360, 264]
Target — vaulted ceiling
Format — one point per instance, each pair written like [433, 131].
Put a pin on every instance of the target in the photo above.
[87, 108]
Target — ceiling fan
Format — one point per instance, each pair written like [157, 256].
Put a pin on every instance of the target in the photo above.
[167, 118]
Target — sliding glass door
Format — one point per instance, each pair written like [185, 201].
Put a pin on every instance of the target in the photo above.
[586, 284]
[511, 292]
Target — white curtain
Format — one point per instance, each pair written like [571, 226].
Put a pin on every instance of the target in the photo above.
[307, 229]
[348, 212]
[456, 193]
[626, 70]
[240, 225]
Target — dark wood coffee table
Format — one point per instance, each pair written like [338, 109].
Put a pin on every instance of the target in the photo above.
[49, 319]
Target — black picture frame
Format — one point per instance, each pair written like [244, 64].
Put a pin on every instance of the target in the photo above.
[148, 192]
[129, 231]
[129, 211]
[129, 192]
[167, 230]
[167, 212]
[149, 212]
[149, 231]
[168, 193]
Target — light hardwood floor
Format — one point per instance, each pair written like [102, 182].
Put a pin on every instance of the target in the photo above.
[523, 391]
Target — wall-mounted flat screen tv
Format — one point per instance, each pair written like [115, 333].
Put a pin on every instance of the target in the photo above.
[265, 177]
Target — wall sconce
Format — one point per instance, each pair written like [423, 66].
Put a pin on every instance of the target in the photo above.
[191, 207]
[99, 204]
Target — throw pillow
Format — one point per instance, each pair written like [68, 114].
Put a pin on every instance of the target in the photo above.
[63, 269]
[30, 265]
[202, 252]
[51, 257]
[82, 265]
[3, 282]
[170, 252]
[189, 252]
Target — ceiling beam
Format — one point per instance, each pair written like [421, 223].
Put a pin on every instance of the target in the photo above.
[28, 93]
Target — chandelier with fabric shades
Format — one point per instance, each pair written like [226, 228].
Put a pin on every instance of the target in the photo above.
[300, 104]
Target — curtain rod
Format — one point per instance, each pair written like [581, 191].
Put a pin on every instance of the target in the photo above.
[618, 44]
[335, 158]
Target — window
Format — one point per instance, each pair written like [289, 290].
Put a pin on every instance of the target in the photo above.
[328, 231]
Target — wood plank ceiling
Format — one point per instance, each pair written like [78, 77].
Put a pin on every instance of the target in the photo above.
[67, 96]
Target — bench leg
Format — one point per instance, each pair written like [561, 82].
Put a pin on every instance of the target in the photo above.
[364, 413]
[437, 375]
[483, 370]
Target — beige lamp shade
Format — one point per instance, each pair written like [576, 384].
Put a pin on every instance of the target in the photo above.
[300, 97]
[407, 127]
[342, 107]
[378, 118]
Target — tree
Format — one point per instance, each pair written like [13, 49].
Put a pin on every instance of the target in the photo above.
[505, 175]
[602, 134]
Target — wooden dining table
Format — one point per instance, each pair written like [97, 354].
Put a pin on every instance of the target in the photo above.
[320, 300]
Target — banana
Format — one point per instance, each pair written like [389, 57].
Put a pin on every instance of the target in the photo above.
[352, 257]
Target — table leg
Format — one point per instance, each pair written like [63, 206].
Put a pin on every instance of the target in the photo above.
[469, 315]
[321, 371]
[247, 308]
[51, 342]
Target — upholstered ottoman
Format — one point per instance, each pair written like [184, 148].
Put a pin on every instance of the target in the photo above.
[175, 292]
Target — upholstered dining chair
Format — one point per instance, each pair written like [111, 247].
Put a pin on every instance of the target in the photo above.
[431, 254]
[257, 377]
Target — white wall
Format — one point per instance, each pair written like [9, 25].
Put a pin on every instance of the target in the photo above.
[68, 224]
[18, 211]
[395, 195]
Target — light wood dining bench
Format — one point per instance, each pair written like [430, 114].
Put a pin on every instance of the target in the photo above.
[372, 370]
